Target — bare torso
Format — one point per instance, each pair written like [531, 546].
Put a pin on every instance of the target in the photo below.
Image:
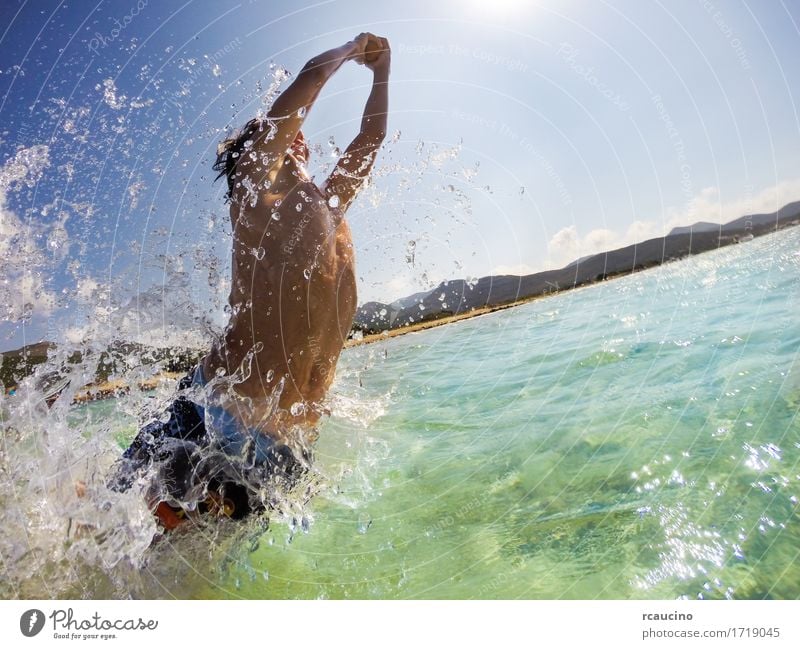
[292, 300]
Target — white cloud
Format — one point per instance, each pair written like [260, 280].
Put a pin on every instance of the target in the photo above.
[23, 292]
[398, 287]
[567, 245]
[709, 206]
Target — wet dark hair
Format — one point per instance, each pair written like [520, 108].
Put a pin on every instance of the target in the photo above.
[229, 150]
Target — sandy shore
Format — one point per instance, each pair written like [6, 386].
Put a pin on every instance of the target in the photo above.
[438, 322]
[109, 389]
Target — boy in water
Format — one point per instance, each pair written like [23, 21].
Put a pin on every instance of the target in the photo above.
[245, 415]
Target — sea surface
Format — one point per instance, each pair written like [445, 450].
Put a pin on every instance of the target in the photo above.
[638, 438]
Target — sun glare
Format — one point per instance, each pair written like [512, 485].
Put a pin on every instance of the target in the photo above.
[500, 7]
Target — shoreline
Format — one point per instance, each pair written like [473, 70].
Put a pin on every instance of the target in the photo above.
[438, 322]
[112, 389]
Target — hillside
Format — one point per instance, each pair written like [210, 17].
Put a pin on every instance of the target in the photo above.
[455, 297]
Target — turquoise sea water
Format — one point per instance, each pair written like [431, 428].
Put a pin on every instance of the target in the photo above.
[633, 439]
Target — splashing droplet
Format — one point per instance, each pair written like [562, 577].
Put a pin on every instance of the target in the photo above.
[411, 250]
[364, 522]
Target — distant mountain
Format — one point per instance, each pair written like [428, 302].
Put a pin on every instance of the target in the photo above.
[700, 226]
[459, 296]
[404, 302]
[774, 219]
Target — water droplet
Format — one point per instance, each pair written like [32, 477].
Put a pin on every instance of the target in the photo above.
[216, 70]
[297, 409]
[411, 248]
[258, 253]
[269, 376]
[333, 201]
[364, 522]
[276, 216]
[307, 273]
[301, 111]
[299, 207]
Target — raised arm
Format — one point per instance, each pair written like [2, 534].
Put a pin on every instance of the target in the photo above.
[272, 137]
[356, 163]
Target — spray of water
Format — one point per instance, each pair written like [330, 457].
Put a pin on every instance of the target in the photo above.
[130, 290]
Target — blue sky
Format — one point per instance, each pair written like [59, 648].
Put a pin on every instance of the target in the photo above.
[523, 135]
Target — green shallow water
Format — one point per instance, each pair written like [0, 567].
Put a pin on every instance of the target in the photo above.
[636, 439]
